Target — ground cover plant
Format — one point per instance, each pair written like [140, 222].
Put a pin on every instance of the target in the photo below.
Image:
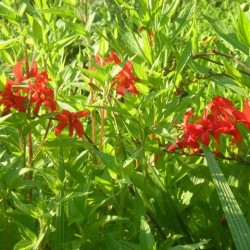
[124, 124]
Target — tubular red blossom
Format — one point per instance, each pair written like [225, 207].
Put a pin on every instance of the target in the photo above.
[220, 117]
[221, 106]
[18, 71]
[71, 120]
[36, 92]
[41, 94]
[11, 100]
[244, 116]
[125, 79]
[113, 58]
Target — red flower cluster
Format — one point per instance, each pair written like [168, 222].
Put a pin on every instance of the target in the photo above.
[125, 79]
[31, 91]
[70, 119]
[219, 117]
[27, 90]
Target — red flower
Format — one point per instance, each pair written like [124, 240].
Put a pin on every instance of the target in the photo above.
[41, 94]
[244, 116]
[221, 106]
[222, 120]
[36, 91]
[193, 134]
[220, 117]
[71, 120]
[11, 100]
[18, 72]
[112, 58]
[125, 79]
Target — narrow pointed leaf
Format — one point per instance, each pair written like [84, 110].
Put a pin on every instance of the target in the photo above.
[237, 224]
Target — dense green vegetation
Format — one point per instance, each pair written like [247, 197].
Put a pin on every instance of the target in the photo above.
[124, 124]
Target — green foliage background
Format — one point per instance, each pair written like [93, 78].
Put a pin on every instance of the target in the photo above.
[123, 190]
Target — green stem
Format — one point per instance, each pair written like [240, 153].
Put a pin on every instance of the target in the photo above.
[84, 18]
[43, 139]
[29, 136]
[60, 220]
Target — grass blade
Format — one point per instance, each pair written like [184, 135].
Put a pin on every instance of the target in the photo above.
[237, 224]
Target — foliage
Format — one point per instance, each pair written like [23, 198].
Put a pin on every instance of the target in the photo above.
[93, 95]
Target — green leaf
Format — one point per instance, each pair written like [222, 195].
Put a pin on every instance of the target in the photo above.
[64, 42]
[140, 71]
[7, 12]
[107, 159]
[139, 207]
[146, 46]
[99, 76]
[237, 223]
[184, 58]
[229, 83]
[28, 239]
[59, 11]
[237, 75]
[8, 43]
[131, 41]
[78, 28]
[184, 17]
[7, 57]
[230, 38]
[243, 28]
[142, 88]
[37, 30]
[146, 238]
[26, 208]
[111, 243]
[90, 20]
[3, 118]
[172, 9]
[190, 247]
[31, 124]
